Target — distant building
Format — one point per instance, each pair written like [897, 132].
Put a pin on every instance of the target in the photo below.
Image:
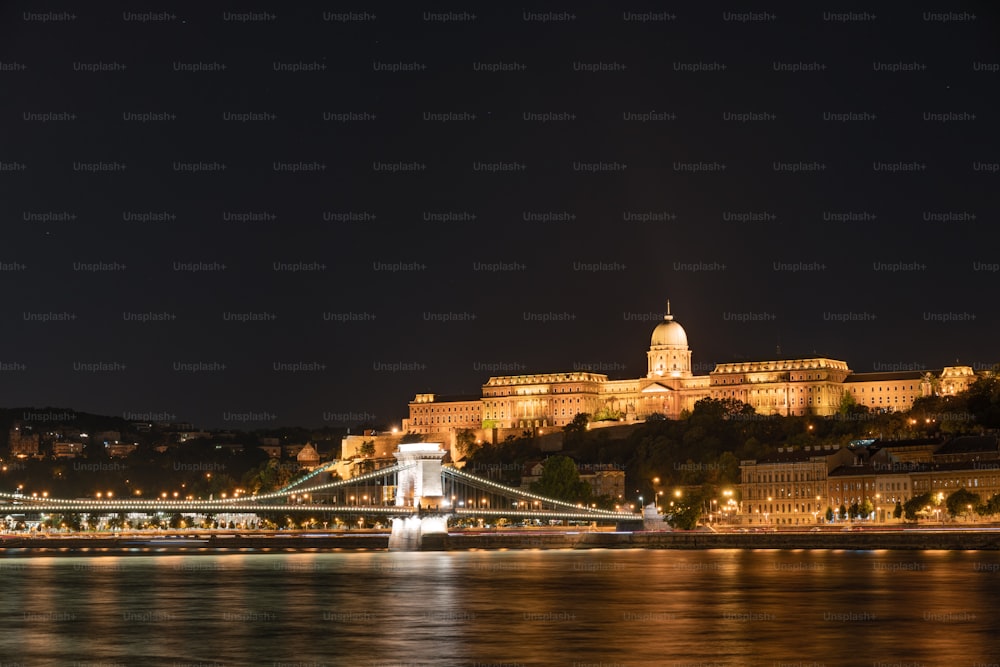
[23, 442]
[531, 472]
[121, 450]
[795, 487]
[184, 436]
[604, 480]
[65, 449]
[969, 448]
[911, 451]
[308, 457]
[789, 486]
[512, 404]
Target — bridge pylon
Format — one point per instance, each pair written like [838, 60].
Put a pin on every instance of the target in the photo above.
[418, 486]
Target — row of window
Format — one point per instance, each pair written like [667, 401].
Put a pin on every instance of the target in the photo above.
[787, 508]
[836, 501]
[425, 410]
[446, 420]
[955, 483]
[796, 492]
[772, 477]
[911, 388]
[792, 378]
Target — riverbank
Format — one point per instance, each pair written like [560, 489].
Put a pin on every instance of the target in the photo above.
[904, 540]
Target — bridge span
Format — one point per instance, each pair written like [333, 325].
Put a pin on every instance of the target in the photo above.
[417, 494]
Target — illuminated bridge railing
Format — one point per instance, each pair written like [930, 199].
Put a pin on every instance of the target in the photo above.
[465, 496]
[580, 515]
[506, 500]
[194, 506]
[388, 472]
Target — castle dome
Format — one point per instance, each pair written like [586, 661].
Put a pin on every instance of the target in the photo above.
[669, 332]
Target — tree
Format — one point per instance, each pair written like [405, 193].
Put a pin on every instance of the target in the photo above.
[573, 431]
[991, 506]
[722, 408]
[854, 511]
[898, 511]
[983, 401]
[829, 514]
[561, 480]
[465, 442]
[915, 504]
[685, 517]
[961, 501]
[269, 476]
[847, 402]
[866, 508]
[367, 449]
[69, 521]
[607, 414]
[842, 512]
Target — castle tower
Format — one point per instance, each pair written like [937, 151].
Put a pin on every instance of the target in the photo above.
[668, 355]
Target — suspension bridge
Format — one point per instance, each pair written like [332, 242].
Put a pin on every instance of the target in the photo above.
[417, 494]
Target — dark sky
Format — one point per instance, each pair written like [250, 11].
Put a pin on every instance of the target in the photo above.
[869, 237]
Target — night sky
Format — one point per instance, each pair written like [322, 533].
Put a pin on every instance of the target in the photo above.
[511, 190]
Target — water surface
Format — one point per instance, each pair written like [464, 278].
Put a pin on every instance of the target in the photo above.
[574, 608]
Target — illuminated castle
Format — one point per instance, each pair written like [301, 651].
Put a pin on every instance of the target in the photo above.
[808, 386]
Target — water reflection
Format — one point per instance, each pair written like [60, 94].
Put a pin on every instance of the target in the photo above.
[634, 607]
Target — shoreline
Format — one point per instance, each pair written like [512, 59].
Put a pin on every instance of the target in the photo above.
[209, 544]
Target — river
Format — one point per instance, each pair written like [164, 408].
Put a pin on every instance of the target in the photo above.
[613, 608]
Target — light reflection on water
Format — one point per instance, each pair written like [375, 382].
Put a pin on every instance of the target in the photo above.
[576, 608]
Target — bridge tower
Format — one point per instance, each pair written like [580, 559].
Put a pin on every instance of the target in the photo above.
[419, 486]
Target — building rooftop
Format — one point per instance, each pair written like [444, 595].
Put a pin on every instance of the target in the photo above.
[977, 467]
[796, 455]
[452, 398]
[863, 469]
[970, 444]
[885, 377]
[911, 442]
[795, 364]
